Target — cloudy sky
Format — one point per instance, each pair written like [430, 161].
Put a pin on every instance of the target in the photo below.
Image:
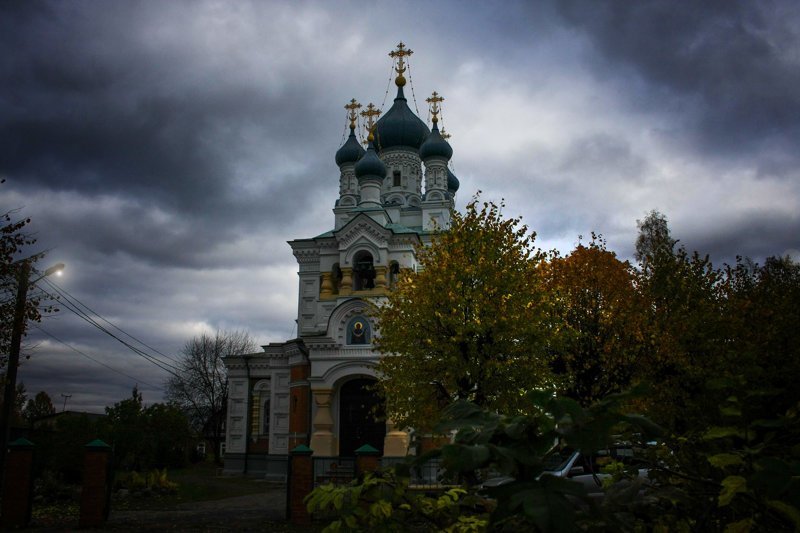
[166, 151]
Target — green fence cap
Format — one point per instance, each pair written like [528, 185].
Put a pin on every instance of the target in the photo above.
[302, 450]
[21, 443]
[367, 450]
[98, 444]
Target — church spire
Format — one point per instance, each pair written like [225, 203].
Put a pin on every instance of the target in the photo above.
[400, 53]
[434, 100]
[370, 114]
[352, 114]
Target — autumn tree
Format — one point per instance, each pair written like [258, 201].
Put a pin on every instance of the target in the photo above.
[14, 240]
[471, 325]
[599, 312]
[200, 386]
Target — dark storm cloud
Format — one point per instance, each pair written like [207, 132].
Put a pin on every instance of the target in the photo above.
[733, 64]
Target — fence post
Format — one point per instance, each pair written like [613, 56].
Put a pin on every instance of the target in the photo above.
[301, 483]
[18, 484]
[96, 492]
[366, 459]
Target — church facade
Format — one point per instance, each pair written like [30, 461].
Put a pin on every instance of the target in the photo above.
[316, 389]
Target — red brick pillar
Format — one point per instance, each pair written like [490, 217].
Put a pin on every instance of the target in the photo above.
[96, 493]
[367, 459]
[301, 483]
[18, 484]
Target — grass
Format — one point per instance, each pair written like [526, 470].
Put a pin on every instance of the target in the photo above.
[197, 483]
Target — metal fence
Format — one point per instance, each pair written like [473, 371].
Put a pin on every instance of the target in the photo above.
[336, 470]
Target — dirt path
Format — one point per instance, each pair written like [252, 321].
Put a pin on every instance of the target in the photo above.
[255, 512]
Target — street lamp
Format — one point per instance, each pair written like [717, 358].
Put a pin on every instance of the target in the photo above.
[23, 283]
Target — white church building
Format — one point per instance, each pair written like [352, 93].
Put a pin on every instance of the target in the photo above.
[315, 389]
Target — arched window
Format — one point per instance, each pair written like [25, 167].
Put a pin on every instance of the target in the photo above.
[336, 277]
[359, 331]
[396, 178]
[394, 273]
[363, 271]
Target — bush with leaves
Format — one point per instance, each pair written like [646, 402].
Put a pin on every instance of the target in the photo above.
[516, 446]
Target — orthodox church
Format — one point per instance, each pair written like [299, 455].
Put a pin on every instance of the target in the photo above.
[315, 389]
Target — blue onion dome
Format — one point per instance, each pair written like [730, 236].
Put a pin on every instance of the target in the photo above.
[435, 145]
[452, 182]
[370, 165]
[399, 126]
[351, 151]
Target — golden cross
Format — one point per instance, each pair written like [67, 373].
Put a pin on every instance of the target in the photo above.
[370, 113]
[400, 53]
[445, 135]
[352, 107]
[434, 101]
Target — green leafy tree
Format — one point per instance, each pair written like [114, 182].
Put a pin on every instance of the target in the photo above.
[200, 387]
[471, 325]
[599, 312]
[40, 406]
[683, 326]
[124, 429]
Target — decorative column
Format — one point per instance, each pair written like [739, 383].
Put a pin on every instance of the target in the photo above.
[323, 442]
[346, 288]
[395, 443]
[380, 277]
[326, 287]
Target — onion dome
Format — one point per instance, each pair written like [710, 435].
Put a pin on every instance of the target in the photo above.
[370, 165]
[400, 126]
[351, 151]
[435, 145]
[452, 182]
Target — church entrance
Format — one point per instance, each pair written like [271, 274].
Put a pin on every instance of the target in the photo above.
[357, 423]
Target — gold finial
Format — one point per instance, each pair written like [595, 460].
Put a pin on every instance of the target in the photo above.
[370, 113]
[434, 102]
[352, 108]
[444, 134]
[400, 53]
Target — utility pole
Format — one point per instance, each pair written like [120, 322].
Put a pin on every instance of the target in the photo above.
[18, 329]
[23, 278]
[66, 397]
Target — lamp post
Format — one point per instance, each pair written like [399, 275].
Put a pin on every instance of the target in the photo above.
[18, 328]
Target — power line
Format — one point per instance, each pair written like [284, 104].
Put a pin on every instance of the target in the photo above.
[98, 315]
[71, 305]
[40, 328]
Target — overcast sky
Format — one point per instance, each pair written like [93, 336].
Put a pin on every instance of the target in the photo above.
[166, 151]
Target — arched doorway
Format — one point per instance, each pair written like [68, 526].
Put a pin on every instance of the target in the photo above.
[357, 423]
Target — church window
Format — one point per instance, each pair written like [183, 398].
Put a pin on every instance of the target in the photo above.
[363, 272]
[358, 331]
[336, 277]
[394, 273]
[396, 178]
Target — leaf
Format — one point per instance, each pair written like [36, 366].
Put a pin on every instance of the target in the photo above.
[731, 486]
[789, 511]
[721, 432]
[742, 526]
[722, 460]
